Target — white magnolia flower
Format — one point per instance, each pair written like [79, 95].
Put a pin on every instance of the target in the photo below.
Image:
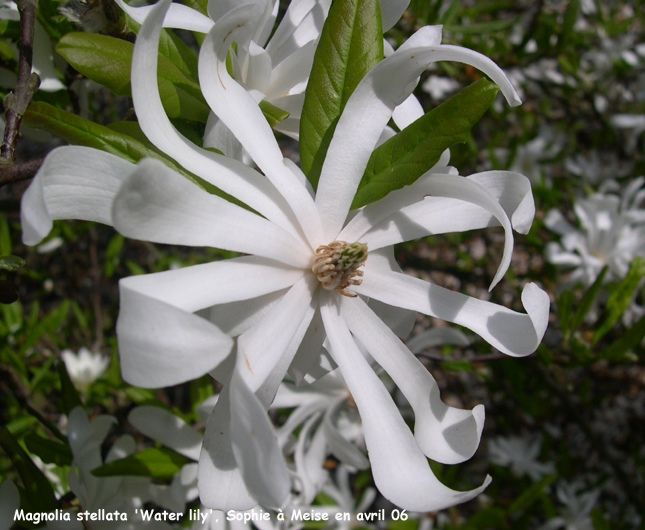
[85, 367]
[520, 453]
[122, 493]
[43, 58]
[612, 233]
[576, 514]
[327, 423]
[282, 301]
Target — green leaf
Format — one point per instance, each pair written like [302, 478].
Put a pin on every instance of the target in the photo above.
[569, 20]
[11, 263]
[70, 397]
[351, 43]
[153, 462]
[409, 154]
[620, 296]
[78, 131]
[49, 324]
[273, 114]
[108, 61]
[618, 349]
[48, 424]
[531, 494]
[587, 300]
[39, 490]
[49, 451]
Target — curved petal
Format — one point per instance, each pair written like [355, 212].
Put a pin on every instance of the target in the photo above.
[255, 446]
[229, 175]
[220, 482]
[178, 16]
[445, 434]
[512, 333]
[391, 11]
[163, 345]
[437, 337]
[261, 347]
[73, 183]
[367, 112]
[456, 187]
[167, 429]
[220, 137]
[239, 111]
[400, 217]
[291, 72]
[407, 112]
[200, 286]
[401, 471]
[157, 204]
[301, 24]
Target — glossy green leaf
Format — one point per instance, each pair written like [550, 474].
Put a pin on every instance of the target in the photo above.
[49, 451]
[409, 154]
[153, 462]
[11, 263]
[69, 395]
[273, 114]
[351, 43]
[108, 61]
[78, 131]
[620, 296]
[39, 491]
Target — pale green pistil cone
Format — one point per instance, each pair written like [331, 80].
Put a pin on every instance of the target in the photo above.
[337, 264]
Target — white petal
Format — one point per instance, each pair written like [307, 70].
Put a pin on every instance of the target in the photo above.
[262, 346]
[302, 23]
[437, 337]
[163, 345]
[407, 112]
[220, 482]
[401, 471]
[229, 175]
[367, 112]
[43, 61]
[341, 448]
[445, 434]
[238, 110]
[73, 183]
[220, 137]
[257, 68]
[167, 429]
[391, 11]
[291, 72]
[157, 204]
[398, 217]
[512, 333]
[220, 282]
[255, 446]
[309, 351]
[455, 187]
[178, 16]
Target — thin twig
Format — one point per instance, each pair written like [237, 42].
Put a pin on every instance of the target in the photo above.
[16, 102]
[18, 172]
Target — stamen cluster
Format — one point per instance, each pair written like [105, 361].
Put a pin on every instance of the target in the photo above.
[337, 264]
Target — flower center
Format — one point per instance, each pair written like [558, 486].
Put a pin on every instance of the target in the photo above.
[336, 265]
